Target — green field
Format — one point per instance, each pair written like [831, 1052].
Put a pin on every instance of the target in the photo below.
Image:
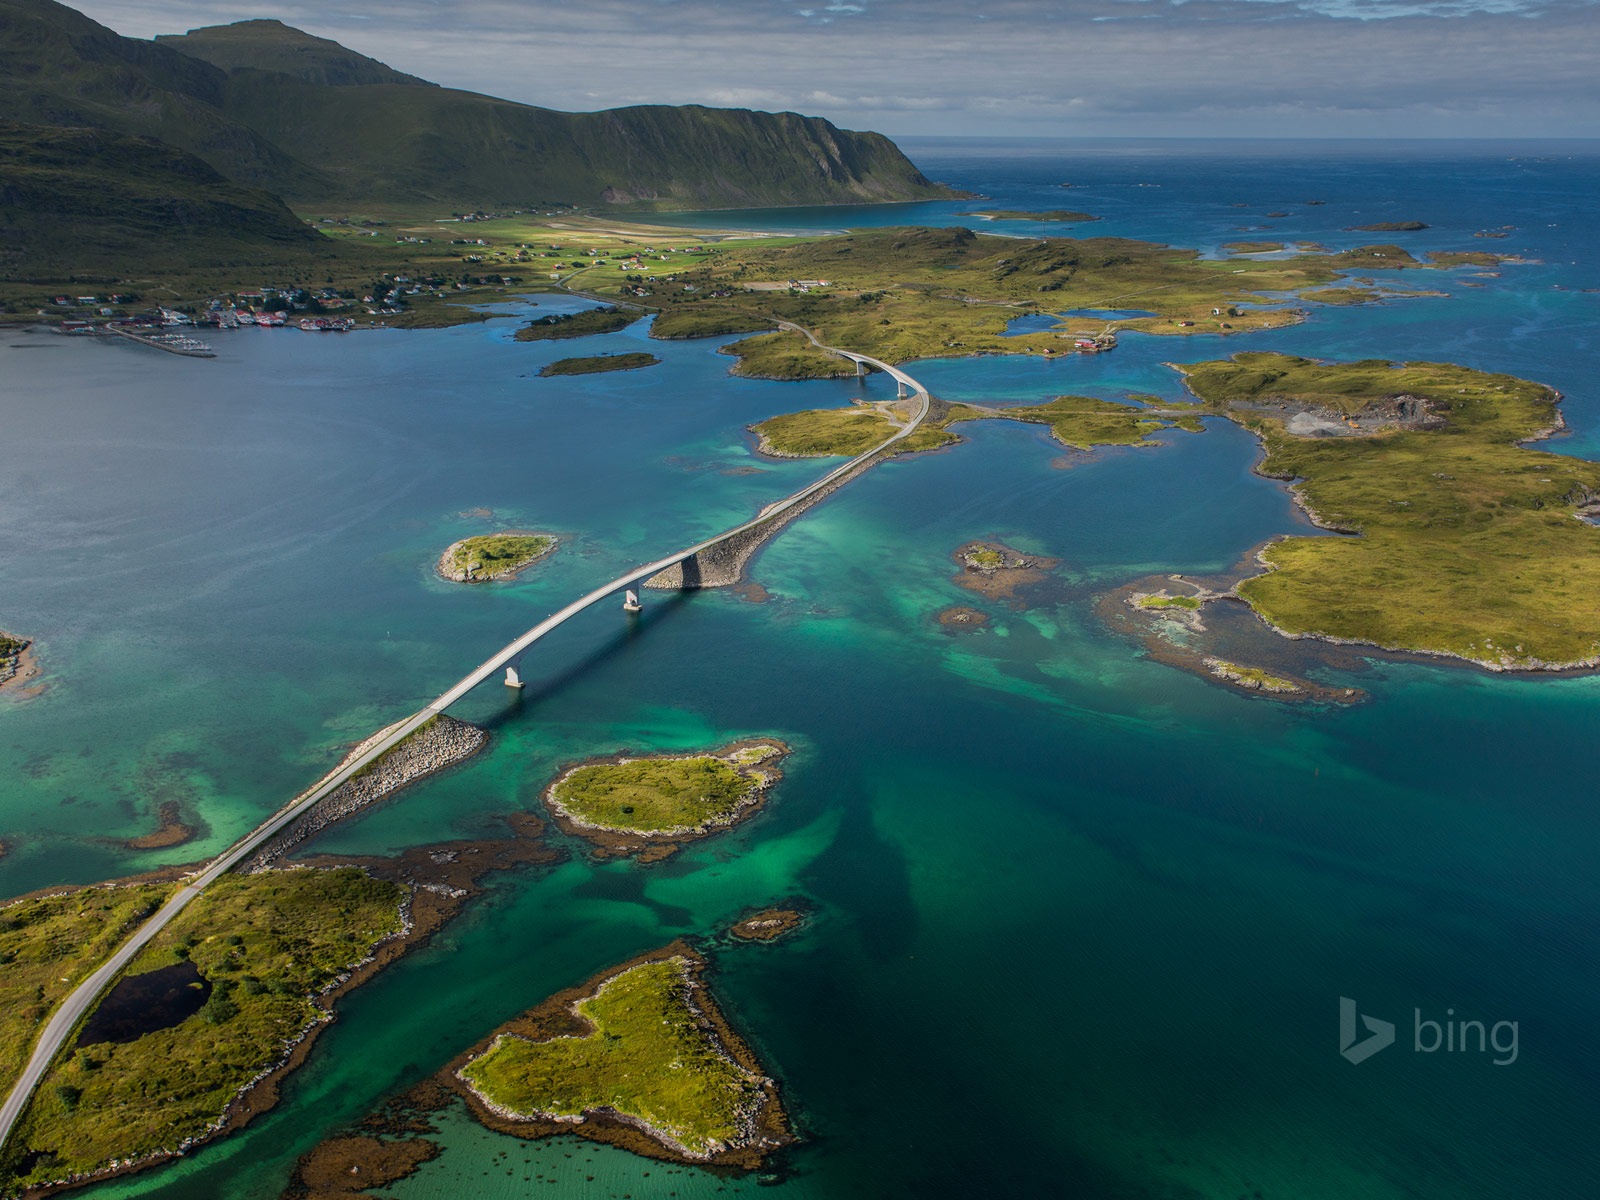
[824, 431]
[267, 943]
[1158, 602]
[1469, 541]
[47, 946]
[645, 1057]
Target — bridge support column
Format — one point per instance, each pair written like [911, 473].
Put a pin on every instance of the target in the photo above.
[513, 678]
[900, 389]
[861, 369]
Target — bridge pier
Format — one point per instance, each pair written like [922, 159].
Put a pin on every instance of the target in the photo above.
[861, 369]
[900, 389]
[513, 678]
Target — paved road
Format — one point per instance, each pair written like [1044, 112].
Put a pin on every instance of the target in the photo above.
[82, 998]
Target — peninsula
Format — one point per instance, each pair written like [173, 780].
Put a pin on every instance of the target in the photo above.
[1467, 542]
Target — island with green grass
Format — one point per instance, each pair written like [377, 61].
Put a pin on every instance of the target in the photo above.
[1389, 227]
[15, 659]
[640, 1057]
[650, 805]
[1077, 422]
[577, 324]
[1462, 540]
[598, 364]
[492, 556]
[1252, 679]
[191, 1040]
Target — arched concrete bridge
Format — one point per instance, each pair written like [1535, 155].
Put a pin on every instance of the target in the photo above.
[721, 553]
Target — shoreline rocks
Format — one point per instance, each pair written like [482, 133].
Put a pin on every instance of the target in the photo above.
[440, 744]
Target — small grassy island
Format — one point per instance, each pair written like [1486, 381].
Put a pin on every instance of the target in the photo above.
[650, 806]
[997, 571]
[1253, 247]
[254, 963]
[639, 1057]
[1252, 679]
[15, 655]
[494, 556]
[575, 325]
[1470, 543]
[1020, 214]
[1164, 601]
[599, 363]
[1077, 422]
[767, 925]
[1389, 227]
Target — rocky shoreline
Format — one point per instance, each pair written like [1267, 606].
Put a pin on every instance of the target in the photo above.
[441, 743]
[172, 830]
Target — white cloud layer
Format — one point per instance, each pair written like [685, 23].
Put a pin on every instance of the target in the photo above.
[1070, 67]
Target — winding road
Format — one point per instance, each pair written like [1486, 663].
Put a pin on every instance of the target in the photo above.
[58, 1030]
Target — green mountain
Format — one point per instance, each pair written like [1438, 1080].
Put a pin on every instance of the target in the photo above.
[57, 67]
[273, 107]
[93, 200]
[266, 45]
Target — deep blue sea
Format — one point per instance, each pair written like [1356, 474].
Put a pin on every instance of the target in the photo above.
[1081, 921]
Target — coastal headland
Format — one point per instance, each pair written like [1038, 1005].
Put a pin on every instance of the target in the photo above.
[649, 806]
[1465, 541]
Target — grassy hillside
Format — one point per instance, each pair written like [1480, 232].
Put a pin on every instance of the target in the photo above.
[396, 141]
[379, 135]
[57, 67]
[71, 198]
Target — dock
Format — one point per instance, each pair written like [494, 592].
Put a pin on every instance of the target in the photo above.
[172, 343]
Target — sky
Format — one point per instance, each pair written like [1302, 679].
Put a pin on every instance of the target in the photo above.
[1125, 68]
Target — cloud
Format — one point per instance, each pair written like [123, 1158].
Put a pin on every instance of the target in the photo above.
[1258, 67]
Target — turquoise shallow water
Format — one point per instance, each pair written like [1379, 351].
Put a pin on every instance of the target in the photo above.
[1081, 921]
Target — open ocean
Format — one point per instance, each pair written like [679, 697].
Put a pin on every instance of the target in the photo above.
[1081, 921]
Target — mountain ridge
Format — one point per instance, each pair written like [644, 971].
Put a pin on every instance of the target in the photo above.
[271, 106]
